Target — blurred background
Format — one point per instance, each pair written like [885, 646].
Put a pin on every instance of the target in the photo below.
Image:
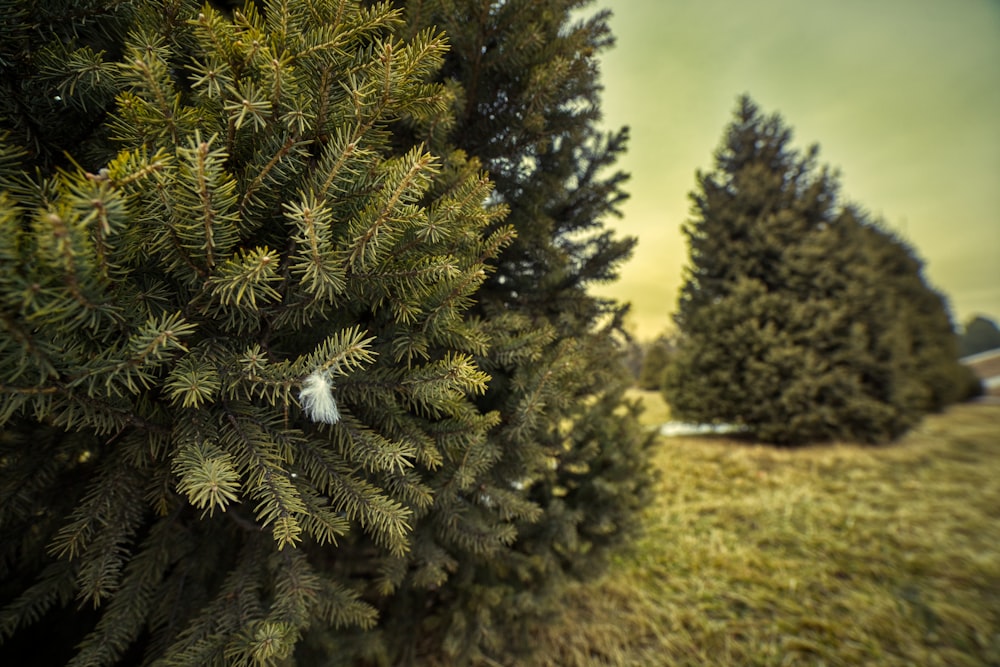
[902, 96]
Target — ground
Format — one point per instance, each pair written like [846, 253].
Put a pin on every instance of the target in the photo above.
[828, 555]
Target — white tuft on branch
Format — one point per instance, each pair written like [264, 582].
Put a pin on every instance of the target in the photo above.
[317, 398]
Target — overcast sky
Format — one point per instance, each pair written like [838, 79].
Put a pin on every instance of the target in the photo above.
[903, 97]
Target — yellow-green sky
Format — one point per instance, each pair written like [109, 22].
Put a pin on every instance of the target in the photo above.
[903, 97]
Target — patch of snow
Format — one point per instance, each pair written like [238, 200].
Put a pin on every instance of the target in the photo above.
[981, 356]
[674, 429]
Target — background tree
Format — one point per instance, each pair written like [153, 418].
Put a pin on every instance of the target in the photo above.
[979, 335]
[242, 335]
[655, 359]
[801, 320]
[924, 336]
[635, 351]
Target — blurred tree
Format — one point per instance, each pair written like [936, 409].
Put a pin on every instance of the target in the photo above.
[253, 279]
[655, 360]
[801, 321]
[635, 351]
[980, 335]
[923, 339]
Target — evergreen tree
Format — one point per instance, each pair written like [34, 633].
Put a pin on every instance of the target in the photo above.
[246, 346]
[655, 360]
[801, 320]
[924, 334]
[526, 80]
[980, 335]
[234, 326]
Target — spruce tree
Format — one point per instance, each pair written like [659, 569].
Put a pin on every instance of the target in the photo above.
[246, 355]
[525, 74]
[655, 359]
[802, 320]
[980, 334]
[237, 367]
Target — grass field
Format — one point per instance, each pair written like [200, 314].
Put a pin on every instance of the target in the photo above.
[832, 555]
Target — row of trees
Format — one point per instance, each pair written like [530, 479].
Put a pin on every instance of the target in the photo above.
[298, 361]
[648, 361]
[801, 319]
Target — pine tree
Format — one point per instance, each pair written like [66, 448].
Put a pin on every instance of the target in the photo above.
[926, 333]
[255, 283]
[980, 334]
[656, 358]
[236, 361]
[527, 104]
[802, 320]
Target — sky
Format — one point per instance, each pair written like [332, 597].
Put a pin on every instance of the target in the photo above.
[902, 97]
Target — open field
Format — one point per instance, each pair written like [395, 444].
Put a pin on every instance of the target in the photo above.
[832, 555]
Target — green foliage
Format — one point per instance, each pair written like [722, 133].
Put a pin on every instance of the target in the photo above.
[655, 359]
[235, 226]
[567, 448]
[802, 320]
[979, 335]
[283, 377]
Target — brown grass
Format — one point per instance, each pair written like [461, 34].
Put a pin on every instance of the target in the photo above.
[832, 555]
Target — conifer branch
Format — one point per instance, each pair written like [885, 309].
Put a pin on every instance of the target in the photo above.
[420, 162]
[344, 153]
[341, 607]
[383, 518]
[151, 74]
[55, 586]
[28, 390]
[207, 477]
[103, 524]
[130, 609]
[208, 209]
[258, 181]
[205, 638]
[63, 251]
[278, 503]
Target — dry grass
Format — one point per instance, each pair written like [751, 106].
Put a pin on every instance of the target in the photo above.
[834, 555]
